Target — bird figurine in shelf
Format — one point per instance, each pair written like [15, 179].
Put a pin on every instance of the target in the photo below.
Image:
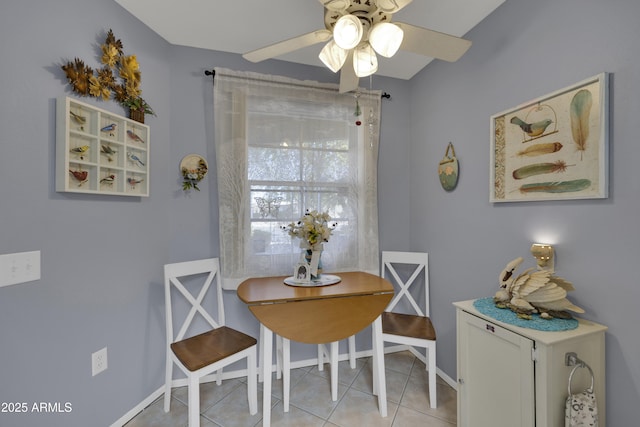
[108, 179]
[133, 182]
[81, 120]
[110, 129]
[108, 151]
[532, 129]
[80, 151]
[134, 159]
[81, 176]
[131, 134]
[534, 291]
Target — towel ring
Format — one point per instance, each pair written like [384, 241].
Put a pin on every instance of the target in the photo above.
[581, 365]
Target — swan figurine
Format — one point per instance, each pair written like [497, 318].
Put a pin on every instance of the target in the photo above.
[534, 291]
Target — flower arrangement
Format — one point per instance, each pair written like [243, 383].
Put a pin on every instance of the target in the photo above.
[314, 228]
[103, 83]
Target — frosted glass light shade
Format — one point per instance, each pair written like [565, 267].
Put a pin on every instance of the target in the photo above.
[336, 5]
[333, 56]
[386, 38]
[365, 61]
[347, 32]
[391, 6]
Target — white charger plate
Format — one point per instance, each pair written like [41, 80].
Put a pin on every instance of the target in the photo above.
[324, 280]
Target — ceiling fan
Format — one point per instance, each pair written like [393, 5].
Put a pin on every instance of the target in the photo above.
[355, 30]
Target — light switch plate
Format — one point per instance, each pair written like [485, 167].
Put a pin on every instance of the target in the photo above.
[19, 268]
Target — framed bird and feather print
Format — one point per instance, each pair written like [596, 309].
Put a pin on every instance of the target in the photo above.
[554, 147]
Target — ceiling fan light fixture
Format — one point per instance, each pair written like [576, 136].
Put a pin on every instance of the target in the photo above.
[333, 56]
[391, 6]
[386, 38]
[336, 5]
[347, 32]
[365, 61]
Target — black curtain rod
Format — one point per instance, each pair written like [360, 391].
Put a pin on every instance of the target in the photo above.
[212, 73]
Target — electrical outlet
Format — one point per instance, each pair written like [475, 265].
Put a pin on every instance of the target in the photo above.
[19, 268]
[99, 361]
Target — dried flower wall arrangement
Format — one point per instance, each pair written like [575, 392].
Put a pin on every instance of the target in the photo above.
[119, 77]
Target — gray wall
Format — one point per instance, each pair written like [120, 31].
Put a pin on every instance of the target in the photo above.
[102, 256]
[522, 51]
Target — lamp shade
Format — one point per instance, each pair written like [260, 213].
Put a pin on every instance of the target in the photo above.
[365, 61]
[336, 5]
[386, 38]
[347, 32]
[333, 56]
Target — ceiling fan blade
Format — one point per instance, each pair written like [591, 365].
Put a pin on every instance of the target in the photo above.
[287, 46]
[392, 6]
[348, 79]
[432, 43]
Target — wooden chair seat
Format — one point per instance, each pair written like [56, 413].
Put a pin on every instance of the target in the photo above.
[408, 325]
[209, 347]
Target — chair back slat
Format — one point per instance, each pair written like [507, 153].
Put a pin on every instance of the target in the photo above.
[419, 261]
[175, 275]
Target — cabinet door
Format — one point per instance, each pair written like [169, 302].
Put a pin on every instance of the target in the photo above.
[495, 375]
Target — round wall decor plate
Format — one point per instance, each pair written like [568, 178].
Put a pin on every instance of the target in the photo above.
[193, 162]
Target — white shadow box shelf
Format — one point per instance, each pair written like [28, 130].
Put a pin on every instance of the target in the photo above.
[99, 152]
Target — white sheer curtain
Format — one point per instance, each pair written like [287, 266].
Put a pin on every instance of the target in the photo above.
[283, 146]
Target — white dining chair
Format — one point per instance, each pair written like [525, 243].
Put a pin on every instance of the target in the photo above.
[207, 352]
[415, 329]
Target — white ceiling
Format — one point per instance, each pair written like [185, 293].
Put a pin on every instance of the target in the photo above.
[242, 26]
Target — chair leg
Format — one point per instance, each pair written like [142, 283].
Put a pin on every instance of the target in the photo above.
[286, 372]
[167, 383]
[379, 379]
[279, 356]
[219, 376]
[260, 345]
[352, 351]
[252, 382]
[334, 370]
[267, 360]
[433, 398]
[374, 362]
[194, 401]
[320, 357]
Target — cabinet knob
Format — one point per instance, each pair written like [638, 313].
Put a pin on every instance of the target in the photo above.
[460, 380]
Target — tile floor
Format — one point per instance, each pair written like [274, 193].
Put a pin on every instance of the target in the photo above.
[310, 402]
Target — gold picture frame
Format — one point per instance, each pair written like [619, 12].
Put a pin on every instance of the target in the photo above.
[554, 147]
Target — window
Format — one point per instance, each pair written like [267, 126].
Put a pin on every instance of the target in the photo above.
[283, 146]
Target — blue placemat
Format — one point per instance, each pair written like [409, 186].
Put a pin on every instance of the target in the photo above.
[487, 307]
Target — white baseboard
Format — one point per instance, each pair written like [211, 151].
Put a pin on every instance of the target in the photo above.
[422, 358]
[243, 373]
[138, 408]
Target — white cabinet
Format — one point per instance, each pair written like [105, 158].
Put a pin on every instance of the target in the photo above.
[100, 152]
[512, 376]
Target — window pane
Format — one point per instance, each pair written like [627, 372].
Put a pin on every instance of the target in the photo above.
[275, 202]
[273, 130]
[325, 166]
[300, 157]
[326, 134]
[273, 164]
